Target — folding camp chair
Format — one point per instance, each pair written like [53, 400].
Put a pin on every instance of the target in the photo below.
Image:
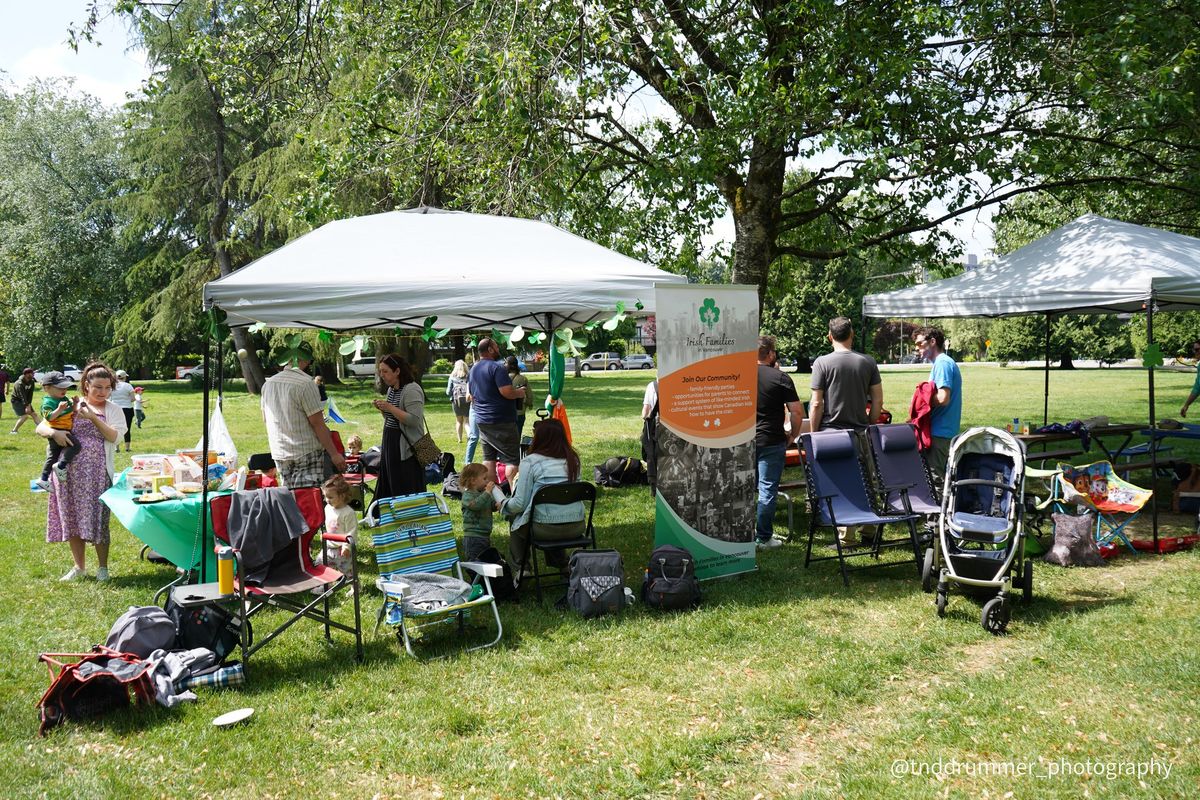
[558, 494]
[902, 473]
[294, 584]
[1097, 486]
[838, 496]
[416, 551]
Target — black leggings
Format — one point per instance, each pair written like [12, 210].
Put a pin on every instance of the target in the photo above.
[128, 423]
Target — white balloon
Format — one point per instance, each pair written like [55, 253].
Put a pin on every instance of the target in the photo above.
[241, 352]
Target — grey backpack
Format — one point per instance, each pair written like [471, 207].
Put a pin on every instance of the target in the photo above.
[141, 630]
[597, 582]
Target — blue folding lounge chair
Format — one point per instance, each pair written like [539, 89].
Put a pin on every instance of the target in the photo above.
[837, 496]
[902, 472]
[417, 556]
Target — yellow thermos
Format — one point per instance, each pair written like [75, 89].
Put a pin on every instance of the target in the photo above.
[225, 570]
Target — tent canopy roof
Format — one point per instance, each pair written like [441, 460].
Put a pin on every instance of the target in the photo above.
[473, 271]
[1092, 265]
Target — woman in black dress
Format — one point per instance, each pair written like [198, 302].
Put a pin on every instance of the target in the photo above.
[403, 410]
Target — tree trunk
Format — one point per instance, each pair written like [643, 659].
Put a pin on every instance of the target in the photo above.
[755, 206]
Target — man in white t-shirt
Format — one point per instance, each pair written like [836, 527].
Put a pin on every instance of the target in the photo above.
[301, 445]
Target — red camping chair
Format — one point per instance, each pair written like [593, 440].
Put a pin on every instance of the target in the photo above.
[355, 474]
[295, 585]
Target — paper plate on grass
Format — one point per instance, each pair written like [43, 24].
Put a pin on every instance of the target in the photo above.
[233, 717]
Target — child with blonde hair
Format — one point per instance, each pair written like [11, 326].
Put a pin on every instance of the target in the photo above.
[477, 507]
[340, 519]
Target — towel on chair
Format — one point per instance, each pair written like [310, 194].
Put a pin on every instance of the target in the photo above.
[261, 523]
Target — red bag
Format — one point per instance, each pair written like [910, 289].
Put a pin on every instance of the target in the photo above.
[94, 684]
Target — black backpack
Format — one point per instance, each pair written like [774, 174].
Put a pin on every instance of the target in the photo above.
[619, 471]
[597, 583]
[670, 582]
[208, 625]
[503, 588]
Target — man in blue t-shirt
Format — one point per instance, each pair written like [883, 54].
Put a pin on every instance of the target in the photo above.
[947, 403]
[493, 403]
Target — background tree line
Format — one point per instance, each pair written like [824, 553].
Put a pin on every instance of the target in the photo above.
[837, 136]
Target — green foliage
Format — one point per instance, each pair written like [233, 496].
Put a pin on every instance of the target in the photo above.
[806, 297]
[441, 366]
[60, 260]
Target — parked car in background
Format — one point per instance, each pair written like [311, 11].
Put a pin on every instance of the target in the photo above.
[363, 367]
[638, 361]
[72, 371]
[596, 361]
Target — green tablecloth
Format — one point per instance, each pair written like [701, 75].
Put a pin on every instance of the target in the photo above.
[171, 528]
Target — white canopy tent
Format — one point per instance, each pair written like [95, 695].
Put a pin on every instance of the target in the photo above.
[1092, 265]
[1088, 266]
[473, 271]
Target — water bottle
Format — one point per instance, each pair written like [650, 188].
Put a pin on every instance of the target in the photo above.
[1016, 426]
[225, 570]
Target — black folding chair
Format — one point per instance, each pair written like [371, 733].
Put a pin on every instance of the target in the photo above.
[558, 494]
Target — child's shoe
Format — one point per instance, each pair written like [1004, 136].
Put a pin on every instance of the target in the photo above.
[102, 574]
[43, 486]
[60, 470]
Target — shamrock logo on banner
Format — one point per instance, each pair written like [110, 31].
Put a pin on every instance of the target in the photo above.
[709, 313]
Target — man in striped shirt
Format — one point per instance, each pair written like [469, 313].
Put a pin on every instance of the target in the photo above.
[301, 444]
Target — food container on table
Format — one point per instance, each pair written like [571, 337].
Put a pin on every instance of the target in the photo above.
[160, 481]
[149, 462]
[141, 480]
[195, 455]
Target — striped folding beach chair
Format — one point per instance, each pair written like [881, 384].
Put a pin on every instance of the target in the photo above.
[420, 576]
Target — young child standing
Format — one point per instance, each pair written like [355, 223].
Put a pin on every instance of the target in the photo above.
[139, 404]
[477, 507]
[340, 519]
[59, 412]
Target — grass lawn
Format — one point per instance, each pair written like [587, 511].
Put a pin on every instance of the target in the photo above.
[783, 684]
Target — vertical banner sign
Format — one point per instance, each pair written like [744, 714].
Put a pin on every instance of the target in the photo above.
[707, 489]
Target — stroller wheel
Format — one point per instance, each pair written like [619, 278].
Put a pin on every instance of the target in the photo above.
[994, 617]
[1027, 582]
[927, 572]
[940, 602]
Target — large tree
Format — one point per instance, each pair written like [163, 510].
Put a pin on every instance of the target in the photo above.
[60, 261]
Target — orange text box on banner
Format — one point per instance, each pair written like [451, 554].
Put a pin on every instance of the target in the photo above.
[711, 402]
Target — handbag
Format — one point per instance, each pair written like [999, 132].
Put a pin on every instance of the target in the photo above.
[425, 448]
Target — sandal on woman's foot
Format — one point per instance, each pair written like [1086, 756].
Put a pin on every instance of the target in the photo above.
[75, 574]
[102, 574]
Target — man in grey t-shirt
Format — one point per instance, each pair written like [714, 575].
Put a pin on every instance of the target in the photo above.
[847, 393]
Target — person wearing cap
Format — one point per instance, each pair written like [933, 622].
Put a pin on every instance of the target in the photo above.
[139, 405]
[59, 413]
[122, 395]
[22, 399]
[300, 441]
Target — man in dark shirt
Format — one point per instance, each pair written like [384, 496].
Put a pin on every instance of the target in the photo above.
[776, 395]
[492, 399]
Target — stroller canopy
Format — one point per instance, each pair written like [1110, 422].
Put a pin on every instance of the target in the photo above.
[992, 441]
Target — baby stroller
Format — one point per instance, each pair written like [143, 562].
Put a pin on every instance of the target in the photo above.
[980, 543]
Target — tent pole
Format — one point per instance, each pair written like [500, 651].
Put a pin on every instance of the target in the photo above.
[220, 377]
[1046, 372]
[203, 511]
[1153, 441]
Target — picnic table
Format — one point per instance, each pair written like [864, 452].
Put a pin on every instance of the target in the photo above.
[170, 528]
[1099, 435]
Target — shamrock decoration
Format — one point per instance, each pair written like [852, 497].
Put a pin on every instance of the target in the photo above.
[535, 337]
[214, 324]
[1153, 356]
[612, 323]
[257, 327]
[709, 313]
[295, 348]
[568, 342]
[517, 334]
[325, 336]
[638, 305]
[429, 334]
[355, 345]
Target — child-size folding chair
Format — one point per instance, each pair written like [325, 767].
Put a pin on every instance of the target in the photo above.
[293, 584]
[420, 575]
[838, 496]
[1097, 486]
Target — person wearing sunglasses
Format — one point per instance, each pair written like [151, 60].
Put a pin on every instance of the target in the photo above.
[947, 412]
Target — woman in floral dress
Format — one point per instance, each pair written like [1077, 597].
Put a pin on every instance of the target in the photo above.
[75, 513]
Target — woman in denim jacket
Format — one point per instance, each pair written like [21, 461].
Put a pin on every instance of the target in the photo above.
[551, 460]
